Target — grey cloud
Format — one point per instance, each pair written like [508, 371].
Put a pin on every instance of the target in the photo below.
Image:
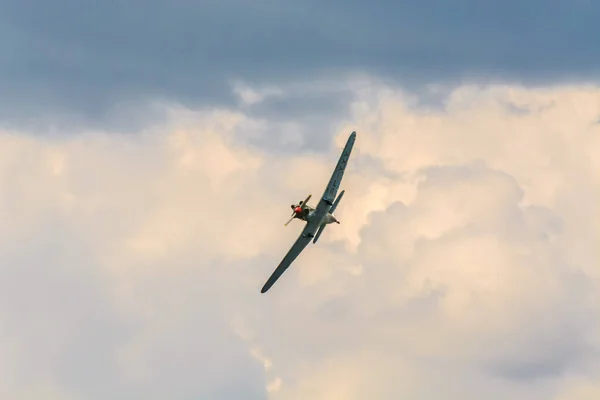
[311, 113]
[546, 353]
[87, 59]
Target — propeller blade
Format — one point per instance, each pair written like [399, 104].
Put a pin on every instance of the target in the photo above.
[306, 201]
[290, 220]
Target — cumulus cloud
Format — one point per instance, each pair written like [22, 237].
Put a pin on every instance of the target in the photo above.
[71, 62]
[465, 262]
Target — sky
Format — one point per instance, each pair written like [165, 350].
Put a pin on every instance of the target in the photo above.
[149, 152]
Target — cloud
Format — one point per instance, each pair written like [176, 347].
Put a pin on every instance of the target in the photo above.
[75, 63]
[580, 390]
[510, 265]
[465, 261]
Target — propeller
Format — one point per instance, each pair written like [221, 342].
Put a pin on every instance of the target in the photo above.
[298, 209]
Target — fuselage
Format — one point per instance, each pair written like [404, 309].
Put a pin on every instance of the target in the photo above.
[309, 212]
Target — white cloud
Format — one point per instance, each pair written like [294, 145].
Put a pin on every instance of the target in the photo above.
[580, 390]
[251, 96]
[466, 261]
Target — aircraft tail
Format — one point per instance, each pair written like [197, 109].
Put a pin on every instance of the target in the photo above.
[331, 210]
[321, 229]
[336, 202]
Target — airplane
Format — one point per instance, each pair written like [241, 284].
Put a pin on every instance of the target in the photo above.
[316, 218]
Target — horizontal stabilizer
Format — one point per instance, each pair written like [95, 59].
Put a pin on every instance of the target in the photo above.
[331, 210]
[337, 201]
[321, 229]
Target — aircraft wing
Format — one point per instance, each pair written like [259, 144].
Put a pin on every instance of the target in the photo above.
[331, 190]
[302, 241]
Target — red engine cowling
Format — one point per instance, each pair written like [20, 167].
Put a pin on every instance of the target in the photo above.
[298, 210]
